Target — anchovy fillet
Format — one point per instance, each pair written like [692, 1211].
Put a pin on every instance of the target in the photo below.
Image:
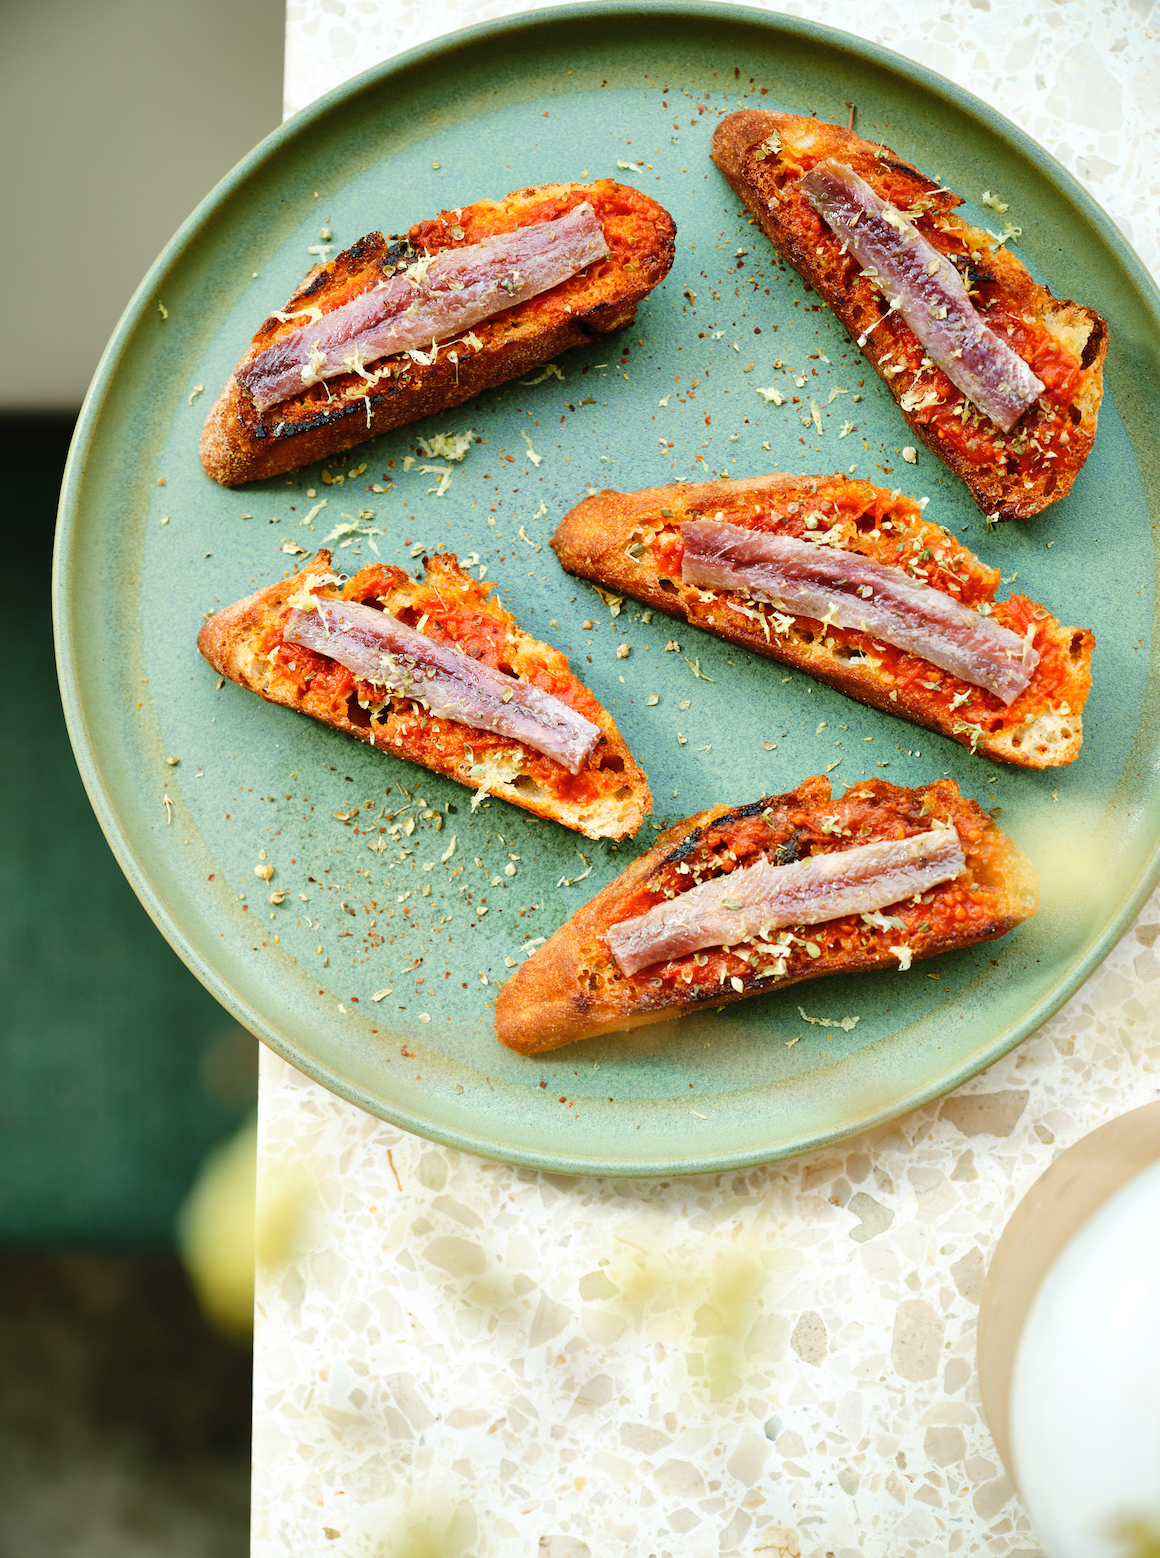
[380, 649]
[431, 301]
[926, 289]
[755, 900]
[851, 591]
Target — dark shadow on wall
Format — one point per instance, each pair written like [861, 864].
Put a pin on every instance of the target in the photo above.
[124, 1421]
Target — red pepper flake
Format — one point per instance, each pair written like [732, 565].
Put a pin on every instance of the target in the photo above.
[209, 878]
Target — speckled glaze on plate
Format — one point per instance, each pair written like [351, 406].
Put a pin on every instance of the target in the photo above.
[561, 95]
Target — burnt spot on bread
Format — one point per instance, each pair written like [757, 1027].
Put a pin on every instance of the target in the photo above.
[602, 319]
[365, 246]
[754, 809]
[907, 171]
[786, 854]
[323, 279]
[685, 848]
[333, 413]
[694, 839]
[343, 267]
[974, 276]
[399, 254]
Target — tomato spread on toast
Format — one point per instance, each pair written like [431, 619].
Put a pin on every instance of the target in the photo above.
[405, 701]
[1014, 414]
[894, 875]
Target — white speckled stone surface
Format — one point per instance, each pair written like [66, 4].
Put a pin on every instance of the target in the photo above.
[1081, 76]
[457, 1357]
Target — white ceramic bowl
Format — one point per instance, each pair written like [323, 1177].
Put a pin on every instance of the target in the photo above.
[1084, 1414]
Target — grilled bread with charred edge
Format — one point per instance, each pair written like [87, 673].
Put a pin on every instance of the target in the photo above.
[241, 443]
[573, 989]
[1011, 475]
[631, 543]
[608, 798]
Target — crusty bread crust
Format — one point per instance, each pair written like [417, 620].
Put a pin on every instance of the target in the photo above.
[241, 444]
[571, 989]
[1008, 475]
[630, 543]
[610, 796]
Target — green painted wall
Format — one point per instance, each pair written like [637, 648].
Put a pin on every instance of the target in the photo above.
[117, 1069]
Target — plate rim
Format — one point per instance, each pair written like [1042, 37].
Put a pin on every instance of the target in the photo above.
[109, 816]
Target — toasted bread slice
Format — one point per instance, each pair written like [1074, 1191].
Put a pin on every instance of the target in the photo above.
[608, 798]
[240, 443]
[1010, 475]
[631, 543]
[573, 989]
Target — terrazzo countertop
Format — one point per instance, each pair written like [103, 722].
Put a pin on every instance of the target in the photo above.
[459, 1357]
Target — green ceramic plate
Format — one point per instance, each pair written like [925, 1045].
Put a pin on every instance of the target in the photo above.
[148, 545]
